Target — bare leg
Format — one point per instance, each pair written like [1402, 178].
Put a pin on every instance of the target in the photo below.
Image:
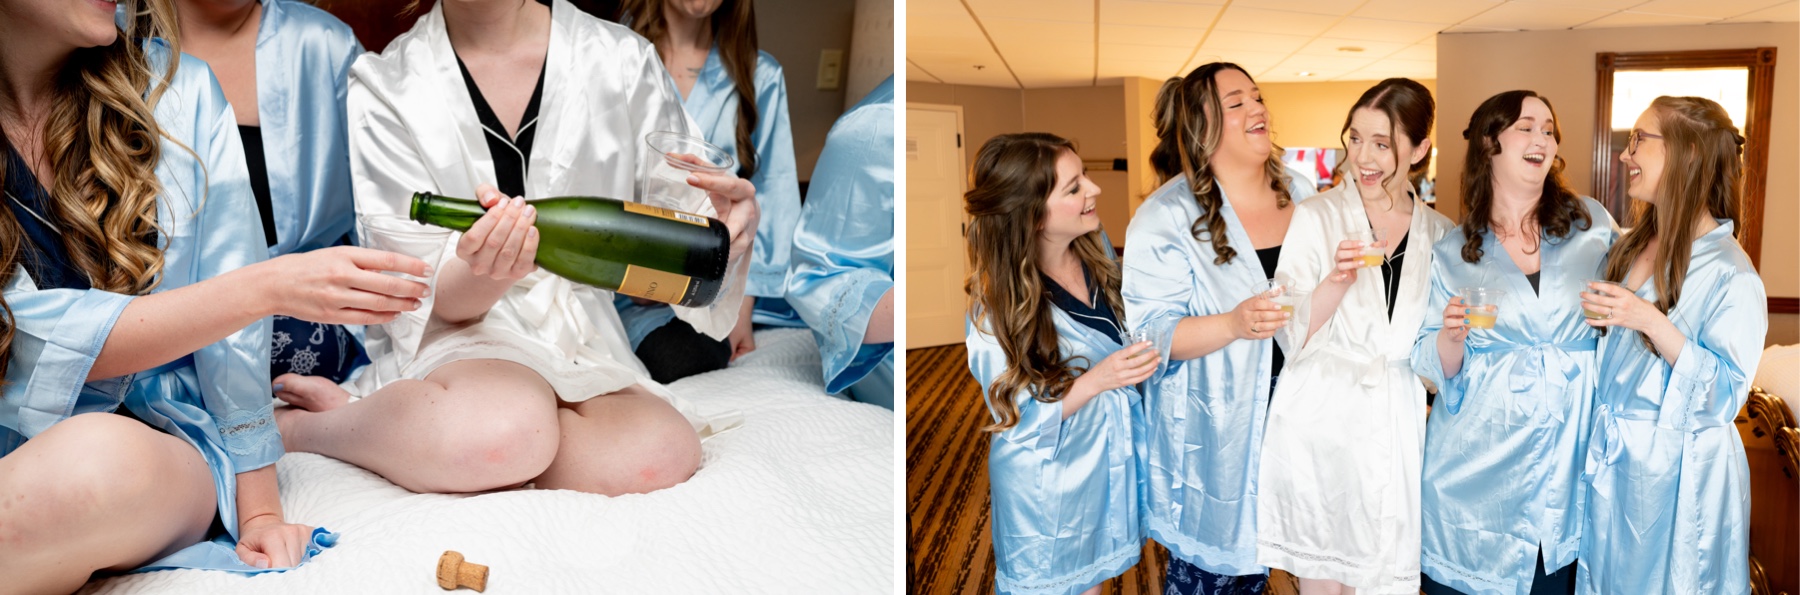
[470, 426]
[1094, 590]
[1319, 586]
[627, 442]
[97, 491]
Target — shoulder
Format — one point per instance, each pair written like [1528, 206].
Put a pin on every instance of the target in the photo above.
[1320, 204]
[1436, 221]
[590, 33]
[768, 71]
[193, 90]
[1299, 188]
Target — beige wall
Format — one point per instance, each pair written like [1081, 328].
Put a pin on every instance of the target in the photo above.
[1560, 65]
[794, 32]
[1140, 137]
[1311, 114]
[1093, 117]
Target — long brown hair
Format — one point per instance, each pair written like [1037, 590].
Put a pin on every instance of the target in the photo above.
[1014, 176]
[1702, 174]
[1409, 109]
[1559, 208]
[1188, 115]
[101, 144]
[734, 30]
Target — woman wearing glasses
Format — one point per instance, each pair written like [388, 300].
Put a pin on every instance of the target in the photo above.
[1197, 257]
[1500, 506]
[1340, 468]
[1501, 509]
[1668, 501]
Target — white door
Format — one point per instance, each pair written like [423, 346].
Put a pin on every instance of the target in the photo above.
[935, 261]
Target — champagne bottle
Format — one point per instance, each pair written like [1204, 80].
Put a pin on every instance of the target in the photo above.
[631, 248]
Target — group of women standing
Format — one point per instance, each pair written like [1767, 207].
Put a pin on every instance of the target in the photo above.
[1249, 386]
[173, 250]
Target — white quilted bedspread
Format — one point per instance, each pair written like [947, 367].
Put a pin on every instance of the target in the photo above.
[799, 499]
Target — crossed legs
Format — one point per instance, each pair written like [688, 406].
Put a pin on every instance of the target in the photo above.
[478, 425]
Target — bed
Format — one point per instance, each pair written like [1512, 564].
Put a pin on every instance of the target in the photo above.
[800, 499]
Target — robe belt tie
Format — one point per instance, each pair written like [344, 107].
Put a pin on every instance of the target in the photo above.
[1547, 367]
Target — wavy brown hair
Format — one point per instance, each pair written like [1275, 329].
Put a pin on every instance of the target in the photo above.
[1014, 176]
[1559, 208]
[1703, 175]
[1188, 116]
[101, 145]
[734, 30]
[1409, 109]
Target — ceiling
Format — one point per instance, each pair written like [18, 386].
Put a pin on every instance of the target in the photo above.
[1069, 43]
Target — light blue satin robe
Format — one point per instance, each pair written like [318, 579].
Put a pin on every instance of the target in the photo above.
[1668, 486]
[1503, 445]
[1065, 491]
[1203, 420]
[217, 398]
[713, 103]
[843, 260]
[303, 58]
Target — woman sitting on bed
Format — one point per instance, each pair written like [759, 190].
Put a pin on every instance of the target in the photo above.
[509, 375]
[135, 427]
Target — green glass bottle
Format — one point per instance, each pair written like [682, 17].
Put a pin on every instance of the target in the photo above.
[634, 249]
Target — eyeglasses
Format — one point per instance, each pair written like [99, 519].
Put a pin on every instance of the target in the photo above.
[1638, 136]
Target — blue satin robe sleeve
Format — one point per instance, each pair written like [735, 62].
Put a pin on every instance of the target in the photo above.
[843, 258]
[1425, 359]
[226, 235]
[58, 335]
[777, 183]
[1710, 380]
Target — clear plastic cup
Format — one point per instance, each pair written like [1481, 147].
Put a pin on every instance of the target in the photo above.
[1372, 255]
[1592, 315]
[681, 155]
[1483, 304]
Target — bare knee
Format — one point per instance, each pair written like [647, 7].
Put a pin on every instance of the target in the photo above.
[503, 437]
[659, 447]
[80, 473]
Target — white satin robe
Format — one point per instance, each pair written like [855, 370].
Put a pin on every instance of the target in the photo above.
[1346, 430]
[1668, 484]
[1203, 418]
[413, 127]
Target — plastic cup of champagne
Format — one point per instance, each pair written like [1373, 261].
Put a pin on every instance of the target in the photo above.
[1372, 255]
[1590, 314]
[400, 234]
[1483, 304]
[678, 156]
[1139, 336]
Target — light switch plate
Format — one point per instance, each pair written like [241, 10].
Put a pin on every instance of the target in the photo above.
[831, 67]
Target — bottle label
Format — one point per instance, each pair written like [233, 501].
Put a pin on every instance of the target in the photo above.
[671, 214]
[652, 284]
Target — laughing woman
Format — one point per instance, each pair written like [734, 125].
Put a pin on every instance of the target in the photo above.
[1340, 468]
[1500, 512]
[135, 423]
[1668, 485]
[1197, 254]
[1045, 343]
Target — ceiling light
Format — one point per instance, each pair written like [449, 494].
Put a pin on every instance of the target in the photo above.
[1304, 73]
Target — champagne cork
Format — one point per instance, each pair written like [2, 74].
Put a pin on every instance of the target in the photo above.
[453, 572]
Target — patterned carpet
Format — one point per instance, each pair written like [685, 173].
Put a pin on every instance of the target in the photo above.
[948, 544]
